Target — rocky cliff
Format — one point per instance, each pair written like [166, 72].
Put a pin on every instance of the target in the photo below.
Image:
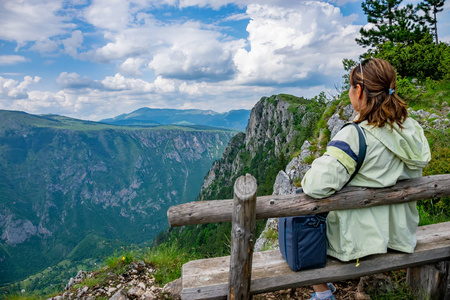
[277, 127]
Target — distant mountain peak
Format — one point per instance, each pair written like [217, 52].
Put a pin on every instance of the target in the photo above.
[233, 119]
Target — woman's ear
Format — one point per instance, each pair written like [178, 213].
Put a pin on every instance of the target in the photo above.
[359, 90]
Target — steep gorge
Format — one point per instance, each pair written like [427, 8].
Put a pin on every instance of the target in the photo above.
[74, 189]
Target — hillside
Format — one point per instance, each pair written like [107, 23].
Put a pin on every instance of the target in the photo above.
[72, 189]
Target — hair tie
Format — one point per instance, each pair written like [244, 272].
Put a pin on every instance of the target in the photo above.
[391, 91]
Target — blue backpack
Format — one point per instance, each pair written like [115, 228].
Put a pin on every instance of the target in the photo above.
[303, 239]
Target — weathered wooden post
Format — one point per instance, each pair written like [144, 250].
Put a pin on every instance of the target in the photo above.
[242, 237]
[430, 281]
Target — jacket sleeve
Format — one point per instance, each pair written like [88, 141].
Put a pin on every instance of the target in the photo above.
[330, 172]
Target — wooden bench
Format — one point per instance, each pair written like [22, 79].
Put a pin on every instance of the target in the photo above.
[213, 278]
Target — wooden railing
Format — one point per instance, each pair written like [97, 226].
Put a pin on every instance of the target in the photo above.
[245, 208]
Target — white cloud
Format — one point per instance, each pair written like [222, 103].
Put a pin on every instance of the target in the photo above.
[6, 60]
[108, 14]
[132, 66]
[27, 20]
[72, 43]
[12, 89]
[342, 2]
[45, 45]
[195, 53]
[128, 43]
[138, 86]
[293, 45]
[119, 82]
[75, 81]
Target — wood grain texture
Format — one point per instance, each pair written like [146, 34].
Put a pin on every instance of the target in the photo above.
[431, 281]
[242, 237]
[208, 278]
[200, 212]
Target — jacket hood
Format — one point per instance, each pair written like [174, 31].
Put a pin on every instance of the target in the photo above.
[409, 143]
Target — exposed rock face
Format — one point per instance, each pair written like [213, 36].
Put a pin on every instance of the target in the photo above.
[269, 134]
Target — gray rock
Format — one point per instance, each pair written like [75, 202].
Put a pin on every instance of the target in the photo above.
[136, 292]
[348, 112]
[335, 124]
[18, 231]
[262, 242]
[433, 116]
[174, 288]
[422, 114]
[70, 283]
[282, 185]
[120, 295]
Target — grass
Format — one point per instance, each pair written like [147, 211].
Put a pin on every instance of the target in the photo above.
[428, 95]
[118, 263]
[20, 296]
[168, 260]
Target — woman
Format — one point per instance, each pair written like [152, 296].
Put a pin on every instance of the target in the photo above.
[396, 149]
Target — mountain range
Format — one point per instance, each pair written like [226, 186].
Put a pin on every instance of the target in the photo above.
[234, 119]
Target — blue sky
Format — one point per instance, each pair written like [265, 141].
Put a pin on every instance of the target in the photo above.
[95, 59]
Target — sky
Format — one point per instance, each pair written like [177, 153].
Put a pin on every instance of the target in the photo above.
[96, 59]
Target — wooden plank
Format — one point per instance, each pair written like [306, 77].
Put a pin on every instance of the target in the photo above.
[208, 278]
[275, 206]
[242, 237]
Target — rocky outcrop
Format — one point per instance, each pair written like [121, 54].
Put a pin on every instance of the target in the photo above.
[137, 282]
[271, 131]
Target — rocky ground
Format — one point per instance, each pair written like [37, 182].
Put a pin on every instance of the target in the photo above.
[136, 283]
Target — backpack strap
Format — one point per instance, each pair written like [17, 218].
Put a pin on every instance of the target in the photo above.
[362, 150]
[361, 154]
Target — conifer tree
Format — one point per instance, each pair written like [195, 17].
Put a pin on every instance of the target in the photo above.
[431, 8]
[407, 27]
[381, 14]
[391, 23]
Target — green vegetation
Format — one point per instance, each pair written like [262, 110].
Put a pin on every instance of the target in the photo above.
[87, 190]
[168, 260]
[422, 59]
[392, 21]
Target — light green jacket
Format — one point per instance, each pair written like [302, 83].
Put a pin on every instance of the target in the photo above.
[392, 155]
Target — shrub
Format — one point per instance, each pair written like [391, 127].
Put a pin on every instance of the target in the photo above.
[418, 60]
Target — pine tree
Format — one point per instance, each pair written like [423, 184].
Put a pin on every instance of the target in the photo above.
[381, 14]
[391, 23]
[431, 8]
[407, 28]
